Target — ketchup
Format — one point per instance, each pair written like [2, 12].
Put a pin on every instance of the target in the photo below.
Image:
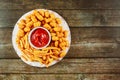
[39, 37]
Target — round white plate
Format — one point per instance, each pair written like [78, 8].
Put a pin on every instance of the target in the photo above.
[18, 51]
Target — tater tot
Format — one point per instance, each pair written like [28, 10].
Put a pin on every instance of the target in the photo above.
[48, 20]
[54, 38]
[22, 21]
[35, 11]
[39, 16]
[47, 14]
[57, 29]
[53, 24]
[33, 18]
[58, 20]
[53, 34]
[28, 17]
[65, 33]
[26, 29]
[62, 45]
[20, 33]
[37, 24]
[42, 12]
[47, 26]
[52, 15]
[28, 20]
[67, 43]
[60, 35]
[21, 26]
[29, 24]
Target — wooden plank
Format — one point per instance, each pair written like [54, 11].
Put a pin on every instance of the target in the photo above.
[93, 65]
[60, 76]
[101, 77]
[86, 42]
[61, 4]
[75, 18]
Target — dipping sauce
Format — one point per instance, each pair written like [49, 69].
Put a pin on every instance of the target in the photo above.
[39, 37]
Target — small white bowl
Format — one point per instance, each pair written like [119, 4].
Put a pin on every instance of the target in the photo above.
[29, 36]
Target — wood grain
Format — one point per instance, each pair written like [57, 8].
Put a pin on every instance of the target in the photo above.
[75, 18]
[61, 4]
[60, 76]
[95, 47]
[95, 65]
[86, 42]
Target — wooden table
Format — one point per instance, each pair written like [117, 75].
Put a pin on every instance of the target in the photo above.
[95, 48]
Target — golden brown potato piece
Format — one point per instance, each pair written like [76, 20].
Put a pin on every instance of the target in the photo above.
[20, 33]
[47, 26]
[26, 29]
[37, 24]
[33, 18]
[42, 12]
[47, 14]
[29, 24]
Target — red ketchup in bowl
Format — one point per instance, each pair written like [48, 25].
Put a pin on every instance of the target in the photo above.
[39, 38]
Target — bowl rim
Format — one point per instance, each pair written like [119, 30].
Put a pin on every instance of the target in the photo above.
[29, 35]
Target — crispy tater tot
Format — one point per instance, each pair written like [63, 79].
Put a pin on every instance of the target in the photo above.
[28, 20]
[47, 26]
[21, 26]
[39, 16]
[42, 12]
[54, 38]
[57, 29]
[47, 20]
[53, 34]
[28, 17]
[22, 21]
[37, 24]
[58, 20]
[47, 14]
[52, 15]
[29, 24]
[20, 33]
[33, 18]
[35, 11]
[53, 24]
[26, 29]
[65, 33]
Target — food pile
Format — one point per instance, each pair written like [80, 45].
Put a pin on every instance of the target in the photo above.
[58, 45]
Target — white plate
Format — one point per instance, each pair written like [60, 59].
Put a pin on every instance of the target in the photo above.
[18, 51]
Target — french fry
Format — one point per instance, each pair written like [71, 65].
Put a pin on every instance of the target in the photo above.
[54, 57]
[23, 57]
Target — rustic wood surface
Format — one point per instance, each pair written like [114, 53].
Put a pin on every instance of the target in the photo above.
[95, 47]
